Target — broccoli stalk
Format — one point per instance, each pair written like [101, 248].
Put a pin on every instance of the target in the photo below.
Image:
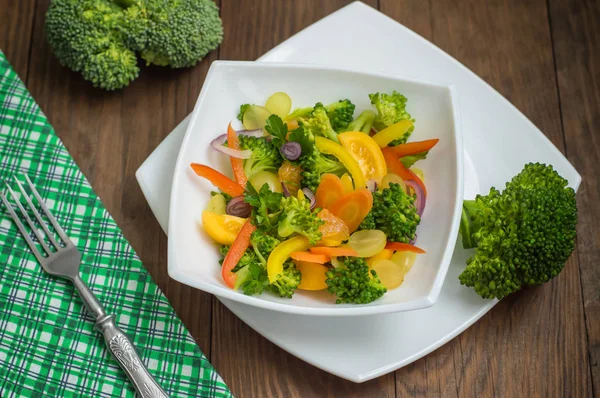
[394, 213]
[352, 282]
[523, 235]
[363, 122]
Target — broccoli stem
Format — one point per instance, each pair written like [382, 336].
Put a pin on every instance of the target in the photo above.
[466, 224]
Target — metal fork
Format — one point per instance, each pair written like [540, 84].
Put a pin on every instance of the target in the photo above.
[64, 262]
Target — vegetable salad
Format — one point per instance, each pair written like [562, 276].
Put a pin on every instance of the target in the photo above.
[320, 199]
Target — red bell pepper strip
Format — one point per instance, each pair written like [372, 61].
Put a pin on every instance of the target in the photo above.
[404, 247]
[235, 253]
[219, 180]
[237, 165]
[412, 148]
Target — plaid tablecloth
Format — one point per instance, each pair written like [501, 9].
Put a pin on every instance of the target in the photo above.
[48, 347]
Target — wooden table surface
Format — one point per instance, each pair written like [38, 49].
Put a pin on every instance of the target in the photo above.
[543, 55]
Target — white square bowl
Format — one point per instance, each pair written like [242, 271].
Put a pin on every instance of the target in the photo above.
[193, 257]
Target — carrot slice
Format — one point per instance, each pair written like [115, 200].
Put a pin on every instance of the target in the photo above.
[395, 166]
[330, 189]
[219, 180]
[237, 165]
[412, 148]
[235, 253]
[310, 257]
[404, 247]
[352, 208]
[334, 251]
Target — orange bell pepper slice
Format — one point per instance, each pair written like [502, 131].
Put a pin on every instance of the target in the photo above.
[219, 180]
[330, 189]
[237, 165]
[235, 253]
[334, 251]
[310, 257]
[412, 148]
[352, 208]
[404, 247]
[395, 166]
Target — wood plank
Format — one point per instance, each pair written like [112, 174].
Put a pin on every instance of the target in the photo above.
[576, 37]
[250, 365]
[15, 33]
[529, 336]
[254, 367]
[109, 134]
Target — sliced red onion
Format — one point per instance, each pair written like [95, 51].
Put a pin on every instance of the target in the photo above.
[420, 200]
[237, 207]
[311, 196]
[413, 241]
[286, 191]
[372, 185]
[217, 144]
[291, 150]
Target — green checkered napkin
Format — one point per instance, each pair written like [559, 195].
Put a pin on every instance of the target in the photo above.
[48, 347]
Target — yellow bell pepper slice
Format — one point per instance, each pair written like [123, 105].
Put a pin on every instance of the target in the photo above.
[391, 133]
[281, 253]
[329, 147]
[347, 182]
[366, 152]
[313, 275]
[385, 254]
[222, 228]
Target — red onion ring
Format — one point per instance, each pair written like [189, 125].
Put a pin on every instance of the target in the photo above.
[286, 191]
[252, 133]
[217, 144]
[311, 196]
[420, 200]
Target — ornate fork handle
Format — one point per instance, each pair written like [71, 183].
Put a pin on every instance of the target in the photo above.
[120, 346]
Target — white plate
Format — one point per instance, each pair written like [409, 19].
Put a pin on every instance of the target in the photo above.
[350, 347]
[193, 256]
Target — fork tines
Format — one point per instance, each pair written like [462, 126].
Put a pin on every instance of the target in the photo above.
[47, 250]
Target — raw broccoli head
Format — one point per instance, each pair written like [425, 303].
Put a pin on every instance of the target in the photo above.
[86, 37]
[100, 38]
[391, 108]
[340, 114]
[265, 156]
[353, 282]
[175, 33]
[287, 282]
[318, 123]
[394, 213]
[263, 244]
[297, 218]
[523, 235]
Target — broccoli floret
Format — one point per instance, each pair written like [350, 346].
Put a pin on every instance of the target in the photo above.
[86, 37]
[296, 217]
[263, 244]
[243, 109]
[394, 213]
[175, 33]
[313, 162]
[523, 235]
[391, 108]
[100, 38]
[353, 282]
[318, 123]
[265, 156]
[287, 282]
[363, 122]
[340, 114]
